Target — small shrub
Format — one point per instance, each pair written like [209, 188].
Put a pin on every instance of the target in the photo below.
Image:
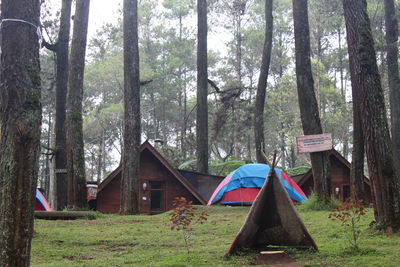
[314, 204]
[226, 167]
[349, 214]
[93, 215]
[184, 216]
[356, 251]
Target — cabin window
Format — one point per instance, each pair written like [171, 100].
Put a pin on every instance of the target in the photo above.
[156, 196]
[156, 185]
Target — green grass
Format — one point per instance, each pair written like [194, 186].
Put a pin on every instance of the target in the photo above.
[113, 240]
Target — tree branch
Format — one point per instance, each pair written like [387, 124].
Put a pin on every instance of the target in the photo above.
[49, 148]
[51, 47]
[142, 83]
[214, 85]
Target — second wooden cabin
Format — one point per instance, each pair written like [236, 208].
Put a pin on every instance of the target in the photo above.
[340, 179]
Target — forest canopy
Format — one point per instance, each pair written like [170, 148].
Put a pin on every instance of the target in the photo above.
[167, 41]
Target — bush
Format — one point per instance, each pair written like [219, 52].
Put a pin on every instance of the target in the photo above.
[225, 168]
[313, 203]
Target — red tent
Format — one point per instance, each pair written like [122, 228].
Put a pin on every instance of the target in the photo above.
[41, 202]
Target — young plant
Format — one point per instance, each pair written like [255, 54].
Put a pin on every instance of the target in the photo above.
[184, 216]
[349, 214]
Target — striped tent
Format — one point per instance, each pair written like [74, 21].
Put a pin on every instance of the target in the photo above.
[243, 184]
[41, 202]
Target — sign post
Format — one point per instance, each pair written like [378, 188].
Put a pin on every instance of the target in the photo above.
[314, 143]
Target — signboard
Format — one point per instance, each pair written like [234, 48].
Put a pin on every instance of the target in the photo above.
[91, 191]
[314, 143]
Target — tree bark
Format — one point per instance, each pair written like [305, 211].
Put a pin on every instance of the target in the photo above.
[20, 121]
[262, 84]
[307, 101]
[392, 35]
[100, 157]
[132, 128]
[357, 164]
[282, 162]
[60, 158]
[182, 97]
[75, 151]
[364, 70]
[46, 182]
[342, 89]
[202, 92]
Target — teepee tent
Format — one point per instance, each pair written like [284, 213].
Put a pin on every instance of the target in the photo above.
[272, 221]
[41, 202]
[243, 184]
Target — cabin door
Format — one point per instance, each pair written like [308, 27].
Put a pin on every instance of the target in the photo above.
[157, 197]
[346, 192]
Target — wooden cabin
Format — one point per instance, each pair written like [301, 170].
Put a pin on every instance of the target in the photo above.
[340, 179]
[159, 184]
[205, 184]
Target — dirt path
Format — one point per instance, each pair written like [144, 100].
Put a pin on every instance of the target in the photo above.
[277, 260]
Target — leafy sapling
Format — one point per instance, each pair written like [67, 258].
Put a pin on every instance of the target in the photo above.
[184, 216]
[349, 214]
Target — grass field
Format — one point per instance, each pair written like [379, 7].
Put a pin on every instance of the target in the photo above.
[113, 240]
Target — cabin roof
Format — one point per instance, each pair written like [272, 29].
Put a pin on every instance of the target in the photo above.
[204, 184]
[201, 174]
[147, 146]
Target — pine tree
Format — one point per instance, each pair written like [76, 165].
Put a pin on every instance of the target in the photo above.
[75, 150]
[132, 129]
[262, 84]
[364, 70]
[61, 47]
[202, 89]
[307, 100]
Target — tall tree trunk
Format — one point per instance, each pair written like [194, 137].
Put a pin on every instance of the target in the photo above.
[59, 191]
[53, 182]
[293, 157]
[100, 158]
[164, 99]
[184, 121]
[249, 143]
[46, 182]
[61, 97]
[357, 165]
[307, 101]
[342, 89]
[75, 150]
[182, 97]
[238, 46]
[283, 146]
[202, 92]
[319, 59]
[392, 35]
[341, 65]
[20, 121]
[238, 8]
[262, 84]
[235, 131]
[131, 152]
[358, 153]
[364, 70]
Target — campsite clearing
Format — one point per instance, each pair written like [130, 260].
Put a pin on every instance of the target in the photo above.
[142, 240]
